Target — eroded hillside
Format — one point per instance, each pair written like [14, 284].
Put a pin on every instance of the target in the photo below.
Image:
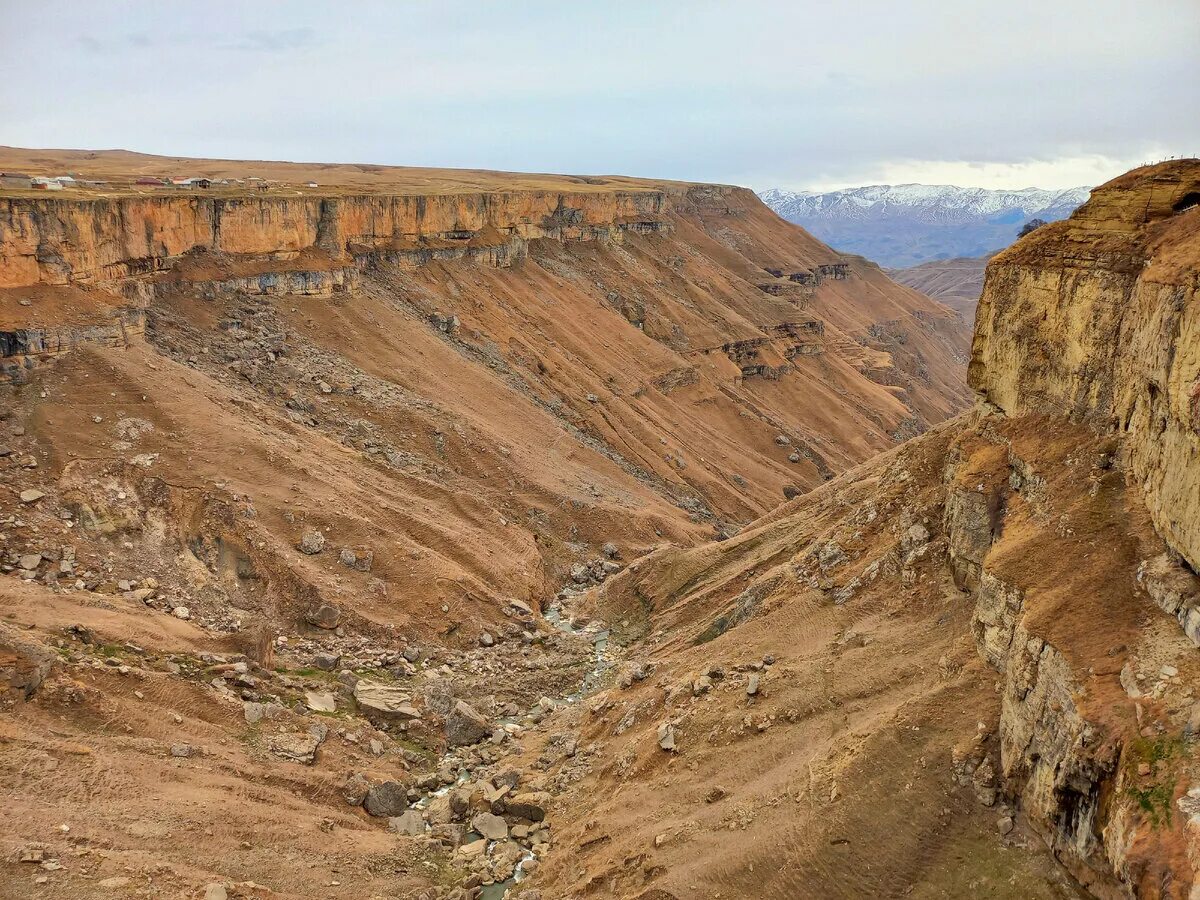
[960, 664]
[292, 479]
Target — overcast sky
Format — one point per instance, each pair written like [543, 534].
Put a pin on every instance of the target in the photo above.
[1053, 93]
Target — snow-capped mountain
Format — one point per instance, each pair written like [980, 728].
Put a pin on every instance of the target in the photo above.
[905, 224]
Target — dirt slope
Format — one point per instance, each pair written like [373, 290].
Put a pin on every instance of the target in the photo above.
[956, 282]
[269, 456]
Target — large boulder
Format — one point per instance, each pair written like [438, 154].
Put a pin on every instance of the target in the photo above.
[411, 823]
[530, 805]
[323, 615]
[490, 826]
[465, 726]
[378, 700]
[387, 800]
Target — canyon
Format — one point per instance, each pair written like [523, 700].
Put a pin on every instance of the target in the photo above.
[451, 534]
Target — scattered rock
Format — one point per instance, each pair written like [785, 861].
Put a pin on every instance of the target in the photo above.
[32, 495]
[752, 685]
[312, 543]
[182, 751]
[666, 736]
[215, 892]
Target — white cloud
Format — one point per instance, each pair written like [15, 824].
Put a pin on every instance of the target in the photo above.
[1063, 172]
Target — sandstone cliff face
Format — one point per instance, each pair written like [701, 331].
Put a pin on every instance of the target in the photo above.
[86, 241]
[1097, 318]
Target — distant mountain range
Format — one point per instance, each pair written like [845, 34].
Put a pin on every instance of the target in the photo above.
[906, 224]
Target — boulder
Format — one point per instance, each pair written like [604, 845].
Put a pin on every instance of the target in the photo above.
[24, 665]
[312, 542]
[378, 700]
[295, 747]
[666, 737]
[256, 712]
[320, 702]
[327, 662]
[490, 826]
[410, 822]
[386, 800]
[355, 790]
[439, 696]
[323, 615]
[465, 726]
[439, 812]
[529, 805]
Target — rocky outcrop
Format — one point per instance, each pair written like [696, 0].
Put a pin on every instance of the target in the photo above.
[64, 241]
[21, 349]
[1097, 318]
[24, 665]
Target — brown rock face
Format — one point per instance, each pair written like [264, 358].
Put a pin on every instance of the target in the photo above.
[24, 664]
[1097, 318]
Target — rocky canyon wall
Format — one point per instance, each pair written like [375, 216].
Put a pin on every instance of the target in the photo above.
[1097, 318]
[58, 241]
